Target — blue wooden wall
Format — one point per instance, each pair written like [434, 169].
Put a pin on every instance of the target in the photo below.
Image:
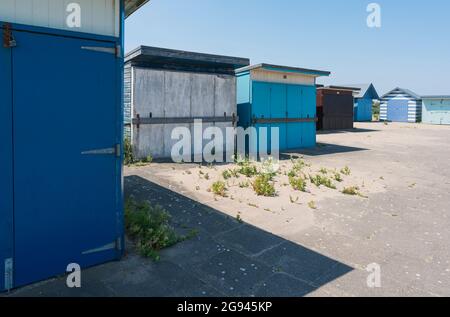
[436, 111]
[266, 100]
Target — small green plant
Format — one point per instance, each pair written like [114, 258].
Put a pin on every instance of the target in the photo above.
[346, 171]
[128, 152]
[353, 191]
[239, 218]
[148, 159]
[149, 227]
[298, 183]
[323, 171]
[219, 188]
[312, 204]
[319, 180]
[248, 170]
[226, 174]
[338, 177]
[263, 186]
[298, 164]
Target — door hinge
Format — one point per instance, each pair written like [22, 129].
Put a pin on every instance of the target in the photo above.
[116, 150]
[117, 50]
[8, 39]
[9, 277]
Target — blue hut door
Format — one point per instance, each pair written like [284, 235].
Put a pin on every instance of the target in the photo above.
[261, 110]
[294, 108]
[309, 111]
[278, 111]
[397, 110]
[65, 169]
[6, 166]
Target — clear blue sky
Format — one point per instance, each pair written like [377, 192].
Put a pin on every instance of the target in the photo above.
[411, 50]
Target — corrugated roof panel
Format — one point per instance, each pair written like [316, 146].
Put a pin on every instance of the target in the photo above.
[164, 58]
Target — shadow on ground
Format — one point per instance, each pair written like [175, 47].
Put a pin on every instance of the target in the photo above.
[320, 149]
[354, 130]
[232, 258]
[226, 258]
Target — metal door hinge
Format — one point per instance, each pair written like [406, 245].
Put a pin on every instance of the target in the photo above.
[9, 277]
[117, 50]
[116, 150]
[8, 39]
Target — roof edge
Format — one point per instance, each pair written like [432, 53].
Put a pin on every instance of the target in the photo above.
[286, 69]
[437, 97]
[173, 53]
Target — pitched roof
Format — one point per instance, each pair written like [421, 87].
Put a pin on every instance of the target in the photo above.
[403, 90]
[163, 58]
[287, 69]
[438, 97]
[364, 88]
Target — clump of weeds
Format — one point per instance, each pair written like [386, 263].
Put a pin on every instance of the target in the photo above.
[248, 170]
[320, 180]
[263, 186]
[346, 171]
[148, 226]
[226, 174]
[219, 188]
[312, 205]
[338, 177]
[353, 191]
[298, 183]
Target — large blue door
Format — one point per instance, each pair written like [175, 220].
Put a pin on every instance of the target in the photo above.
[294, 105]
[309, 111]
[278, 110]
[397, 110]
[261, 110]
[6, 166]
[65, 171]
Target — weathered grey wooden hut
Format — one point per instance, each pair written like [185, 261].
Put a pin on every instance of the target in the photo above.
[167, 88]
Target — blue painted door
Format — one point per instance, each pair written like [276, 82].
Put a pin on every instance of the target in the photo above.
[294, 105]
[309, 110]
[278, 110]
[363, 110]
[261, 110]
[6, 166]
[65, 170]
[397, 110]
